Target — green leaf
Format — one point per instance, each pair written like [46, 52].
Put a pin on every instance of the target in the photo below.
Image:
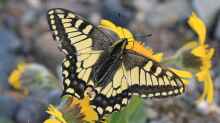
[133, 113]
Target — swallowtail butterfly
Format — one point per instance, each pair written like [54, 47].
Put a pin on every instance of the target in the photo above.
[103, 69]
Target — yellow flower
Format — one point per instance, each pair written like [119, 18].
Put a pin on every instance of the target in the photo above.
[88, 112]
[52, 121]
[15, 77]
[56, 114]
[205, 55]
[74, 110]
[133, 45]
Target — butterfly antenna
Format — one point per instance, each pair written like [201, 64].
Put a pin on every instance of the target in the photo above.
[143, 36]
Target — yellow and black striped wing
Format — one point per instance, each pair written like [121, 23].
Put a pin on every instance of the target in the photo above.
[152, 80]
[82, 43]
[149, 80]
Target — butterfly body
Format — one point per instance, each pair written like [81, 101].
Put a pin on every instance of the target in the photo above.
[108, 71]
[107, 68]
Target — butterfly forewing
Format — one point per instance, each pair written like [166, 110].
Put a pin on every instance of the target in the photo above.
[82, 44]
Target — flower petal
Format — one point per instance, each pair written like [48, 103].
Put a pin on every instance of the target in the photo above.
[127, 34]
[56, 113]
[157, 57]
[198, 26]
[210, 53]
[210, 91]
[190, 45]
[121, 32]
[202, 75]
[107, 23]
[88, 111]
[182, 73]
[52, 121]
[199, 51]
[185, 81]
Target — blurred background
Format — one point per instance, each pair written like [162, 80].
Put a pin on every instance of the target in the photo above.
[25, 39]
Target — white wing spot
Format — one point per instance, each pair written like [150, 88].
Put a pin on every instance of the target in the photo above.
[143, 96]
[100, 110]
[52, 21]
[78, 23]
[157, 94]
[65, 73]
[70, 90]
[158, 71]
[109, 109]
[51, 16]
[124, 101]
[87, 29]
[70, 15]
[148, 66]
[170, 92]
[150, 95]
[67, 82]
[117, 106]
[176, 91]
[51, 12]
[77, 95]
[67, 63]
[53, 27]
[164, 93]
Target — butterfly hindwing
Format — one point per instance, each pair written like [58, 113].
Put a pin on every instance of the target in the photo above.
[149, 80]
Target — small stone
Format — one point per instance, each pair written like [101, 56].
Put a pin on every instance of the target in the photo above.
[217, 28]
[6, 120]
[54, 97]
[8, 106]
[35, 3]
[114, 11]
[157, 13]
[9, 44]
[151, 113]
[48, 50]
[31, 110]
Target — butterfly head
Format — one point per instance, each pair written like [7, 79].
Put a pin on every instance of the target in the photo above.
[120, 43]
